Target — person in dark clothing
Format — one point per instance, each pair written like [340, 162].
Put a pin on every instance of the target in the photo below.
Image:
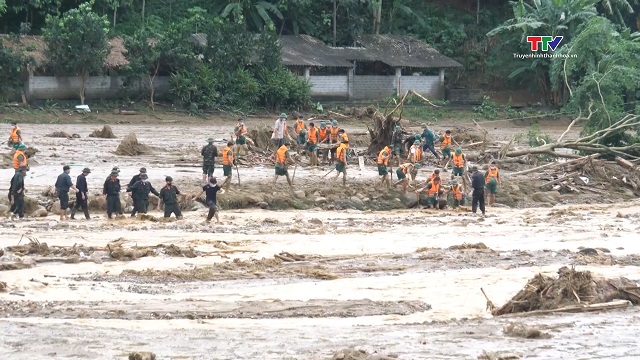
[169, 196]
[136, 178]
[209, 153]
[429, 141]
[63, 184]
[477, 183]
[82, 195]
[111, 190]
[211, 190]
[16, 193]
[140, 194]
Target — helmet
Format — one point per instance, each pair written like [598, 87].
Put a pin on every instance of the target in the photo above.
[168, 179]
[416, 142]
[210, 140]
[454, 182]
[334, 123]
[22, 147]
[459, 151]
[283, 116]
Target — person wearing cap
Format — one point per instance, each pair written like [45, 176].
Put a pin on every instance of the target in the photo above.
[140, 194]
[111, 190]
[211, 190]
[433, 191]
[492, 179]
[82, 195]
[341, 161]
[383, 162]
[282, 157]
[63, 185]
[334, 137]
[446, 142]
[16, 193]
[20, 158]
[169, 196]
[478, 184]
[402, 172]
[312, 144]
[280, 130]
[15, 136]
[459, 163]
[415, 152]
[137, 177]
[396, 142]
[429, 138]
[457, 192]
[323, 136]
[228, 160]
[299, 125]
[240, 132]
[209, 153]
[113, 169]
[301, 140]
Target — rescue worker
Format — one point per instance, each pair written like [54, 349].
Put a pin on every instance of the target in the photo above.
[15, 136]
[446, 142]
[228, 160]
[280, 130]
[457, 192]
[240, 132]
[209, 153]
[63, 184]
[312, 144]
[429, 141]
[301, 141]
[433, 193]
[396, 141]
[82, 195]
[323, 137]
[341, 160]
[334, 136]
[492, 179]
[478, 185]
[383, 162]
[20, 158]
[299, 125]
[140, 194]
[211, 190]
[282, 156]
[136, 178]
[114, 169]
[169, 196]
[415, 152]
[459, 163]
[344, 140]
[16, 193]
[111, 190]
[402, 172]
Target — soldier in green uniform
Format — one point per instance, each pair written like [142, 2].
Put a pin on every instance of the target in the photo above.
[209, 153]
[396, 141]
[169, 196]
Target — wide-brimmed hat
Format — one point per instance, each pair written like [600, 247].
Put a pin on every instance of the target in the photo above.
[143, 170]
[210, 140]
[283, 116]
[86, 170]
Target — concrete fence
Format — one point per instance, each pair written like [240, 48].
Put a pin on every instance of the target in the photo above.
[96, 87]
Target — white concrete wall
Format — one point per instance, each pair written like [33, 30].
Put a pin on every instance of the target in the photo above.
[427, 86]
[373, 86]
[96, 87]
[331, 85]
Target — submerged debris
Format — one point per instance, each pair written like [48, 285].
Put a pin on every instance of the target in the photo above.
[524, 331]
[465, 246]
[129, 146]
[105, 133]
[359, 354]
[489, 355]
[144, 355]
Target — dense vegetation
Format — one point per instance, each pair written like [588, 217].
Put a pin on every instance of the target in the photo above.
[240, 66]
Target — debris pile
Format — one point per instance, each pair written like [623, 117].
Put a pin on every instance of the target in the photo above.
[570, 291]
[60, 134]
[104, 133]
[129, 146]
[359, 354]
[144, 355]
[524, 331]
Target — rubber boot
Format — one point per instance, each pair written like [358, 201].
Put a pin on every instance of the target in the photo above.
[73, 213]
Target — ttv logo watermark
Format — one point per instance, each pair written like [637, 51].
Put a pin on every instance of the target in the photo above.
[548, 42]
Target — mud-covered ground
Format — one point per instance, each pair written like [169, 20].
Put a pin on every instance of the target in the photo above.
[293, 284]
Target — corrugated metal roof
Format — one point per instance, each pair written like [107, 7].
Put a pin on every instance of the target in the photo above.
[305, 50]
[398, 51]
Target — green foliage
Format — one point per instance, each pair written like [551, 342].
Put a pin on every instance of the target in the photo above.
[195, 88]
[3, 6]
[488, 109]
[604, 77]
[77, 42]
[536, 137]
[239, 89]
[144, 53]
[13, 67]
[281, 88]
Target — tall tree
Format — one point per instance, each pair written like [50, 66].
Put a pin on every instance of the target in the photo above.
[144, 52]
[77, 43]
[255, 14]
[3, 6]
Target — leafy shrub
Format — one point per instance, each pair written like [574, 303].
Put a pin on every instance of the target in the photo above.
[239, 89]
[195, 88]
[281, 88]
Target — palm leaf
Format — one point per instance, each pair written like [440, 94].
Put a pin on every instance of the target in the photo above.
[273, 8]
[230, 8]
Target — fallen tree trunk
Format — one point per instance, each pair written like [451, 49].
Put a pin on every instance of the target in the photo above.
[559, 180]
[554, 164]
[625, 164]
[619, 304]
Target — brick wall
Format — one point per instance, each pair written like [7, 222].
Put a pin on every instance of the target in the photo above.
[330, 86]
[96, 87]
[373, 86]
[427, 86]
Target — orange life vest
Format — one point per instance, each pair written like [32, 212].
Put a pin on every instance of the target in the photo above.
[435, 188]
[313, 135]
[227, 156]
[16, 162]
[333, 135]
[446, 141]
[341, 153]
[241, 130]
[323, 133]
[492, 174]
[458, 160]
[457, 192]
[382, 158]
[281, 155]
[15, 138]
[299, 126]
[433, 176]
[405, 167]
[417, 156]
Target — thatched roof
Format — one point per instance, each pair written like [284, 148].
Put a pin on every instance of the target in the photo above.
[34, 47]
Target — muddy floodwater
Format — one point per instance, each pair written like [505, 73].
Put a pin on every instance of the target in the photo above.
[295, 284]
